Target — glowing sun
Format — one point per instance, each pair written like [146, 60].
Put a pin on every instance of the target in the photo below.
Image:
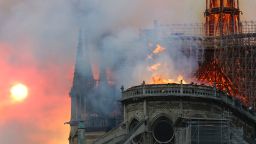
[19, 92]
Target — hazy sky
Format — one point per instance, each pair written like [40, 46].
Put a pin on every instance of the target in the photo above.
[38, 41]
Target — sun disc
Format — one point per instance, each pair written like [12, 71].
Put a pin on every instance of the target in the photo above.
[19, 92]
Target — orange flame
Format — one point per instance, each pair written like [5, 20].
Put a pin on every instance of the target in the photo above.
[159, 49]
[212, 74]
[96, 73]
[154, 67]
[230, 22]
[160, 79]
[109, 75]
[158, 75]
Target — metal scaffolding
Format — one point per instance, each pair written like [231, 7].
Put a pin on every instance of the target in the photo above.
[236, 57]
[211, 131]
[227, 61]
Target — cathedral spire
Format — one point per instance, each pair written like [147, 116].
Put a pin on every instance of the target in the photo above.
[82, 79]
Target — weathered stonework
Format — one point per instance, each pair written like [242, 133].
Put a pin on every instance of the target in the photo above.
[170, 113]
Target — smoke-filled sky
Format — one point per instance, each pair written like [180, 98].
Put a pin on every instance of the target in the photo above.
[38, 40]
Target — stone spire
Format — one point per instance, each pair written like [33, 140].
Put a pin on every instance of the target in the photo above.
[82, 80]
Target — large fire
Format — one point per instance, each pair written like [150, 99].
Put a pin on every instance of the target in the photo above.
[213, 74]
[222, 18]
[157, 69]
[160, 79]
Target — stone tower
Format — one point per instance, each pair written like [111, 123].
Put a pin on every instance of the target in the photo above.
[93, 95]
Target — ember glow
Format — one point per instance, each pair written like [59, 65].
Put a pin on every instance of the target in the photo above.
[96, 73]
[109, 76]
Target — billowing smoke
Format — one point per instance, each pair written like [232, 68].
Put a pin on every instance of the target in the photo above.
[38, 41]
[117, 51]
[112, 42]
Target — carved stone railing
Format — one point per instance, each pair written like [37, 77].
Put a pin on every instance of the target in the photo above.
[186, 90]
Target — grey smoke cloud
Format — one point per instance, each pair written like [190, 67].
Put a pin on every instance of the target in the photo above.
[111, 41]
[111, 28]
